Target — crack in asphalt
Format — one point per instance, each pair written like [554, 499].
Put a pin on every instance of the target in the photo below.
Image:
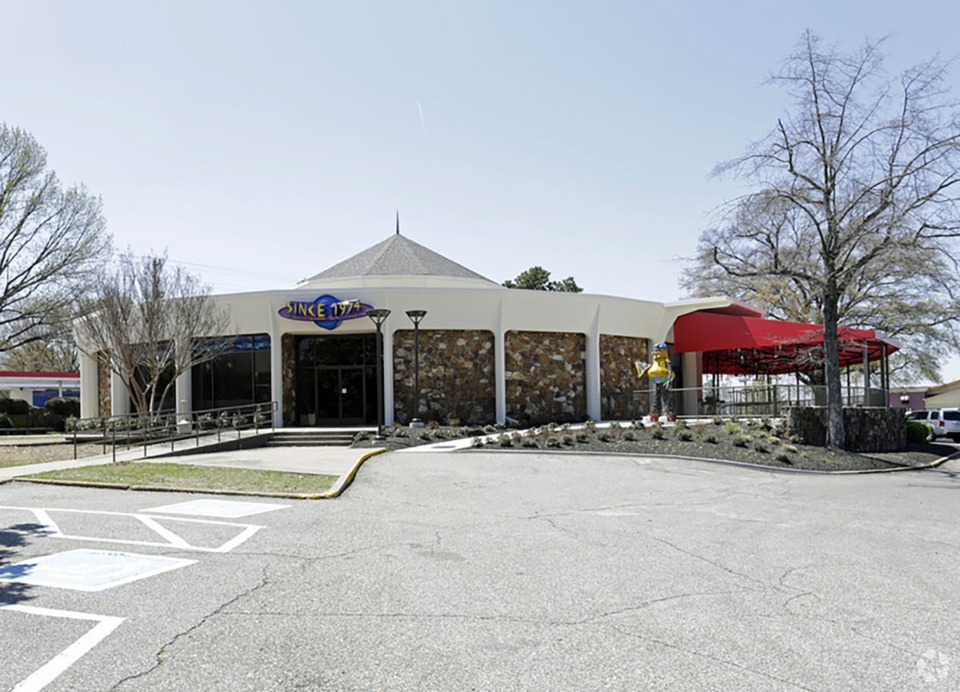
[707, 560]
[161, 652]
[718, 659]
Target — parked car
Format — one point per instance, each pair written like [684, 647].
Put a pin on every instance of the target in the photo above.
[943, 422]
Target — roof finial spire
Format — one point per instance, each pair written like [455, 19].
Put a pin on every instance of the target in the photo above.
[398, 222]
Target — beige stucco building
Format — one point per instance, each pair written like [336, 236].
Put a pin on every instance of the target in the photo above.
[486, 353]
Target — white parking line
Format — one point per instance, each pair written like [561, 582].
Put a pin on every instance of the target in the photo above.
[66, 658]
[89, 570]
[171, 539]
[224, 509]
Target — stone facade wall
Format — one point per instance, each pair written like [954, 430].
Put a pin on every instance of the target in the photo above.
[104, 400]
[866, 429]
[289, 365]
[457, 378]
[622, 395]
[546, 376]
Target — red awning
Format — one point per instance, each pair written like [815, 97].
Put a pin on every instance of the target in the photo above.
[739, 345]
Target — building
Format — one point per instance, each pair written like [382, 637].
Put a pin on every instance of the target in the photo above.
[486, 353]
[37, 387]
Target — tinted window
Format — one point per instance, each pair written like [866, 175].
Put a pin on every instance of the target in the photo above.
[951, 415]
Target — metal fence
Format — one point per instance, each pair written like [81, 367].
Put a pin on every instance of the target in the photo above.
[168, 427]
[735, 400]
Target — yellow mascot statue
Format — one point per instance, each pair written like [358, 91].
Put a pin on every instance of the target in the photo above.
[661, 374]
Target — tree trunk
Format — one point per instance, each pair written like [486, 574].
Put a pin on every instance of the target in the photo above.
[835, 431]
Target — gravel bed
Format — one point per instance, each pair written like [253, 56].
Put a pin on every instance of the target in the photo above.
[742, 442]
[11, 455]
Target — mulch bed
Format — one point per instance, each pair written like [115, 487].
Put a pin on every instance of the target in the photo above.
[744, 441]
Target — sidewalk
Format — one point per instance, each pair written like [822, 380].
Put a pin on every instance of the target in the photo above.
[333, 461]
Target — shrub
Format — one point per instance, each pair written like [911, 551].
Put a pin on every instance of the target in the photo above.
[582, 436]
[590, 426]
[5, 421]
[603, 436]
[917, 432]
[760, 446]
[63, 406]
[426, 435]
[732, 428]
[529, 441]
[476, 442]
[684, 435]
[553, 441]
[717, 420]
[657, 433]
[712, 439]
[789, 449]
[773, 440]
[361, 436]
[680, 423]
[637, 425]
[568, 440]
[784, 457]
[742, 440]
[505, 440]
[15, 407]
[630, 436]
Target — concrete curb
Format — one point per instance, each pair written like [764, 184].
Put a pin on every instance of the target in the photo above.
[341, 484]
[346, 479]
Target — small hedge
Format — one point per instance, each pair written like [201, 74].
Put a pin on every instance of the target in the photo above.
[918, 432]
[14, 407]
[65, 407]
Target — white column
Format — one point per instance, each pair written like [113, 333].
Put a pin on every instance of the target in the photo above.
[184, 392]
[276, 375]
[89, 384]
[592, 366]
[500, 373]
[183, 387]
[387, 376]
[119, 396]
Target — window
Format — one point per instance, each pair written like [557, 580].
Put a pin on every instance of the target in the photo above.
[239, 375]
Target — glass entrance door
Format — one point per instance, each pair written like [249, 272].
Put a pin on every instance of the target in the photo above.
[336, 381]
[341, 399]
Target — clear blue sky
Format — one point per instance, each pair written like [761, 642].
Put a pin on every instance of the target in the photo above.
[260, 143]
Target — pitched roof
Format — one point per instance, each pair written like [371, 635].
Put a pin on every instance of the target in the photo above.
[397, 256]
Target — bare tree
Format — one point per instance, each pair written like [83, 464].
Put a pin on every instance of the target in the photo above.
[856, 196]
[150, 322]
[913, 300]
[56, 354]
[52, 241]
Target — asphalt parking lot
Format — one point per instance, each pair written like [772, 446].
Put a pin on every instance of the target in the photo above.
[492, 571]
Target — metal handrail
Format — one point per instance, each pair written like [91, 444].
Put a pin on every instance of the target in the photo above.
[169, 426]
[736, 400]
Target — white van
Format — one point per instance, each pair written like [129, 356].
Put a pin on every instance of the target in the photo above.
[944, 422]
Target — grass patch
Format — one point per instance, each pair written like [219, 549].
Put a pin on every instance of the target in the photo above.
[186, 476]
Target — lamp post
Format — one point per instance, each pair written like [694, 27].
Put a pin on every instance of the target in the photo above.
[416, 316]
[379, 316]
